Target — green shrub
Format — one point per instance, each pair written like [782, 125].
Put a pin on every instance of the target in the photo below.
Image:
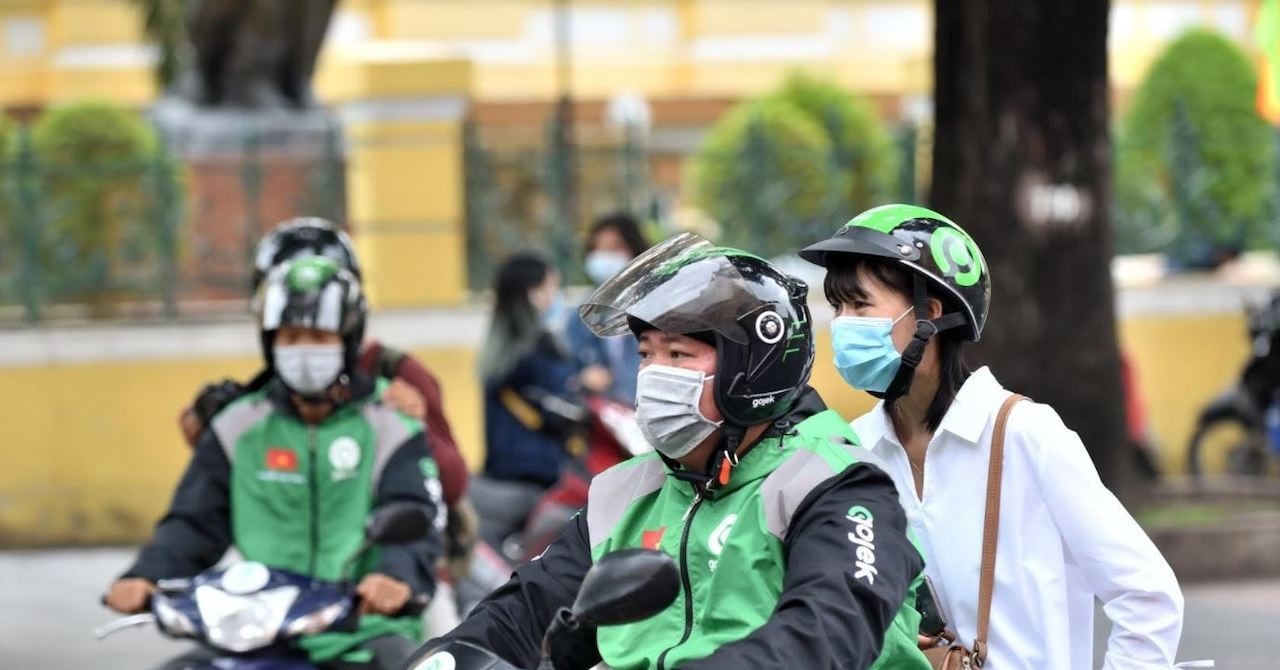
[785, 169]
[764, 172]
[94, 174]
[861, 146]
[1194, 162]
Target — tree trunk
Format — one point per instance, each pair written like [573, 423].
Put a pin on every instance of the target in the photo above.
[1022, 160]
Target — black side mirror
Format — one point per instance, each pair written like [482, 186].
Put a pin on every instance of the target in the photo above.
[625, 586]
[397, 523]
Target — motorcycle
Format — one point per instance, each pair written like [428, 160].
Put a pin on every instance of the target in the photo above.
[1238, 433]
[252, 615]
[622, 587]
[521, 520]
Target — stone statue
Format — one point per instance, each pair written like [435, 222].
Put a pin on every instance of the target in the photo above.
[252, 54]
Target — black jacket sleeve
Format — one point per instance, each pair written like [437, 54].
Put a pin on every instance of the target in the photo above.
[404, 480]
[835, 606]
[196, 531]
[513, 619]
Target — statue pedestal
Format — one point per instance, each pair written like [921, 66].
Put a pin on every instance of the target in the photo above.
[246, 171]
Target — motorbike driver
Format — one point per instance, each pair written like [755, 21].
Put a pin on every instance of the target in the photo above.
[289, 473]
[414, 390]
[793, 550]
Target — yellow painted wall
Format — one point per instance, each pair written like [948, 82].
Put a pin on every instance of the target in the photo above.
[658, 70]
[92, 451]
[94, 22]
[1183, 362]
[404, 186]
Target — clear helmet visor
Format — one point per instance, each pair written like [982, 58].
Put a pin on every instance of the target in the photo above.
[681, 286]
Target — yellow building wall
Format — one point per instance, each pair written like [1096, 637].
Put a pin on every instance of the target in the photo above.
[1183, 362]
[94, 22]
[659, 69]
[93, 451]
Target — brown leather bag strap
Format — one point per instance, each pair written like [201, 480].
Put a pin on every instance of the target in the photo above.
[991, 529]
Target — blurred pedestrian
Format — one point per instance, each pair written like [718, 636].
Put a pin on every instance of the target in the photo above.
[531, 410]
[612, 243]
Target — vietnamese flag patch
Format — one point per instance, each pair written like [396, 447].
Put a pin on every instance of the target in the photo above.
[279, 458]
[652, 538]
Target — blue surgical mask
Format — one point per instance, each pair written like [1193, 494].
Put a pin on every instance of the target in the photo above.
[601, 266]
[553, 316]
[865, 355]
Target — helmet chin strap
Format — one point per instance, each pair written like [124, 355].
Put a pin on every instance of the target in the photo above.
[720, 463]
[925, 330]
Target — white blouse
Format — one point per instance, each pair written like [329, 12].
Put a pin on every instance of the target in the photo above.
[1063, 539]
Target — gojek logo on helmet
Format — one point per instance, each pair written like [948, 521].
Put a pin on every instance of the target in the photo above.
[864, 538]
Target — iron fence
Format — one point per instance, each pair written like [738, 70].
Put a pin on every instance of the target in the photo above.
[165, 237]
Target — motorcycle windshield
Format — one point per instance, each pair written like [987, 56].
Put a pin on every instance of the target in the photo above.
[684, 285]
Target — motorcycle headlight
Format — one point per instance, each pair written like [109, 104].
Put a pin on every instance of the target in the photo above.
[173, 621]
[243, 623]
[317, 621]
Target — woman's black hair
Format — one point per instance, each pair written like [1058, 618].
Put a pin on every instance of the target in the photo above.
[627, 228]
[841, 287]
[514, 330]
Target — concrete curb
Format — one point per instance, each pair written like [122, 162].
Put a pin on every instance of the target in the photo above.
[1241, 548]
[1244, 546]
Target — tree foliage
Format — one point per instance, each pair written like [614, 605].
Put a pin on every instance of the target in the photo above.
[94, 169]
[1194, 162]
[162, 23]
[785, 169]
[861, 146]
[764, 173]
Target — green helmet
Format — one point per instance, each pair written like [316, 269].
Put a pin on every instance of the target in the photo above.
[926, 243]
[312, 292]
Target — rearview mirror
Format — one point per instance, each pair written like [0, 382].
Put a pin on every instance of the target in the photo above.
[625, 586]
[397, 523]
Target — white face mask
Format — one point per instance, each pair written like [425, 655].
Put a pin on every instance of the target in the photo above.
[667, 409]
[309, 369]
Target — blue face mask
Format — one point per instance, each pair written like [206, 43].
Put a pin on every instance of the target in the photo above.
[601, 266]
[553, 317]
[865, 355]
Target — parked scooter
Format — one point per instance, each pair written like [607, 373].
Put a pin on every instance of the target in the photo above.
[1238, 433]
[622, 587]
[252, 615]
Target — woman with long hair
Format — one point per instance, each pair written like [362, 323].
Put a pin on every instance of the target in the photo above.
[909, 288]
[530, 403]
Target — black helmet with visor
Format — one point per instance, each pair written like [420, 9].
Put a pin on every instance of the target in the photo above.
[756, 314]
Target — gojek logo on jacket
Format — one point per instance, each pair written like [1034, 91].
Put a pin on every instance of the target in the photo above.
[718, 538]
[864, 538]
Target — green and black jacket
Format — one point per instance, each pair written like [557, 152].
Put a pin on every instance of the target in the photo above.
[296, 496]
[801, 561]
